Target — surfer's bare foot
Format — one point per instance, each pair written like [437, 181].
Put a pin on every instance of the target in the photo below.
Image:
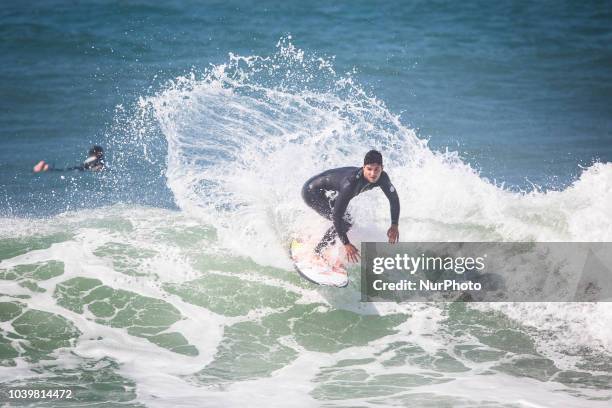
[319, 259]
[325, 259]
[337, 264]
[329, 259]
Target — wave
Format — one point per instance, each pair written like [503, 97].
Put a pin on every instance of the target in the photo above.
[244, 136]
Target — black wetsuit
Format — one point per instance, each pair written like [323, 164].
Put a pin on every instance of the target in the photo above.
[93, 165]
[329, 194]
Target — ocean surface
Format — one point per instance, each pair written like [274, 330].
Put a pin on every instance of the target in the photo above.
[165, 280]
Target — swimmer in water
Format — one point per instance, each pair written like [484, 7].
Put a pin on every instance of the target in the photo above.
[94, 162]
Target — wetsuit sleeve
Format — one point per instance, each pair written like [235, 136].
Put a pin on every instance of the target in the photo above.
[392, 196]
[340, 205]
[79, 168]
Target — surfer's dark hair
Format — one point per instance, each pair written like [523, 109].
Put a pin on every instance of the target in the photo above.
[373, 157]
[96, 151]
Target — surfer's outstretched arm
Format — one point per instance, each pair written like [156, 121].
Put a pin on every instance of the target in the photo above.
[94, 162]
[340, 205]
[341, 225]
[394, 204]
[43, 166]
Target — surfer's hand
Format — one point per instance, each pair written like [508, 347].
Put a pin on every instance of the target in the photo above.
[40, 166]
[393, 234]
[352, 253]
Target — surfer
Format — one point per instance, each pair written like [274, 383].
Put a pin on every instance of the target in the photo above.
[94, 162]
[329, 194]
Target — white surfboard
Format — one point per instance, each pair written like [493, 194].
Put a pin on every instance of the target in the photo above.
[315, 268]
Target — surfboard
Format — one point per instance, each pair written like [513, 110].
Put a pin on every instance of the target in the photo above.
[315, 268]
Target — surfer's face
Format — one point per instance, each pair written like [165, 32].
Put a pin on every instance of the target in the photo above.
[372, 172]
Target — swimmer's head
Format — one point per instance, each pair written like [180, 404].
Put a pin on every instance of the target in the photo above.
[95, 158]
[372, 166]
[96, 151]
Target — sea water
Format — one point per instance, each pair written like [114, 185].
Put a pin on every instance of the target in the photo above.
[165, 281]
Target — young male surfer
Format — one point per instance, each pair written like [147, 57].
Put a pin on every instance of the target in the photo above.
[329, 194]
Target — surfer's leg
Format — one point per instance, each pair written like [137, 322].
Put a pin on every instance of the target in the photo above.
[322, 205]
[328, 238]
[318, 201]
[330, 235]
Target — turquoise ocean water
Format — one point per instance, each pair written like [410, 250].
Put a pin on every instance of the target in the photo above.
[165, 281]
